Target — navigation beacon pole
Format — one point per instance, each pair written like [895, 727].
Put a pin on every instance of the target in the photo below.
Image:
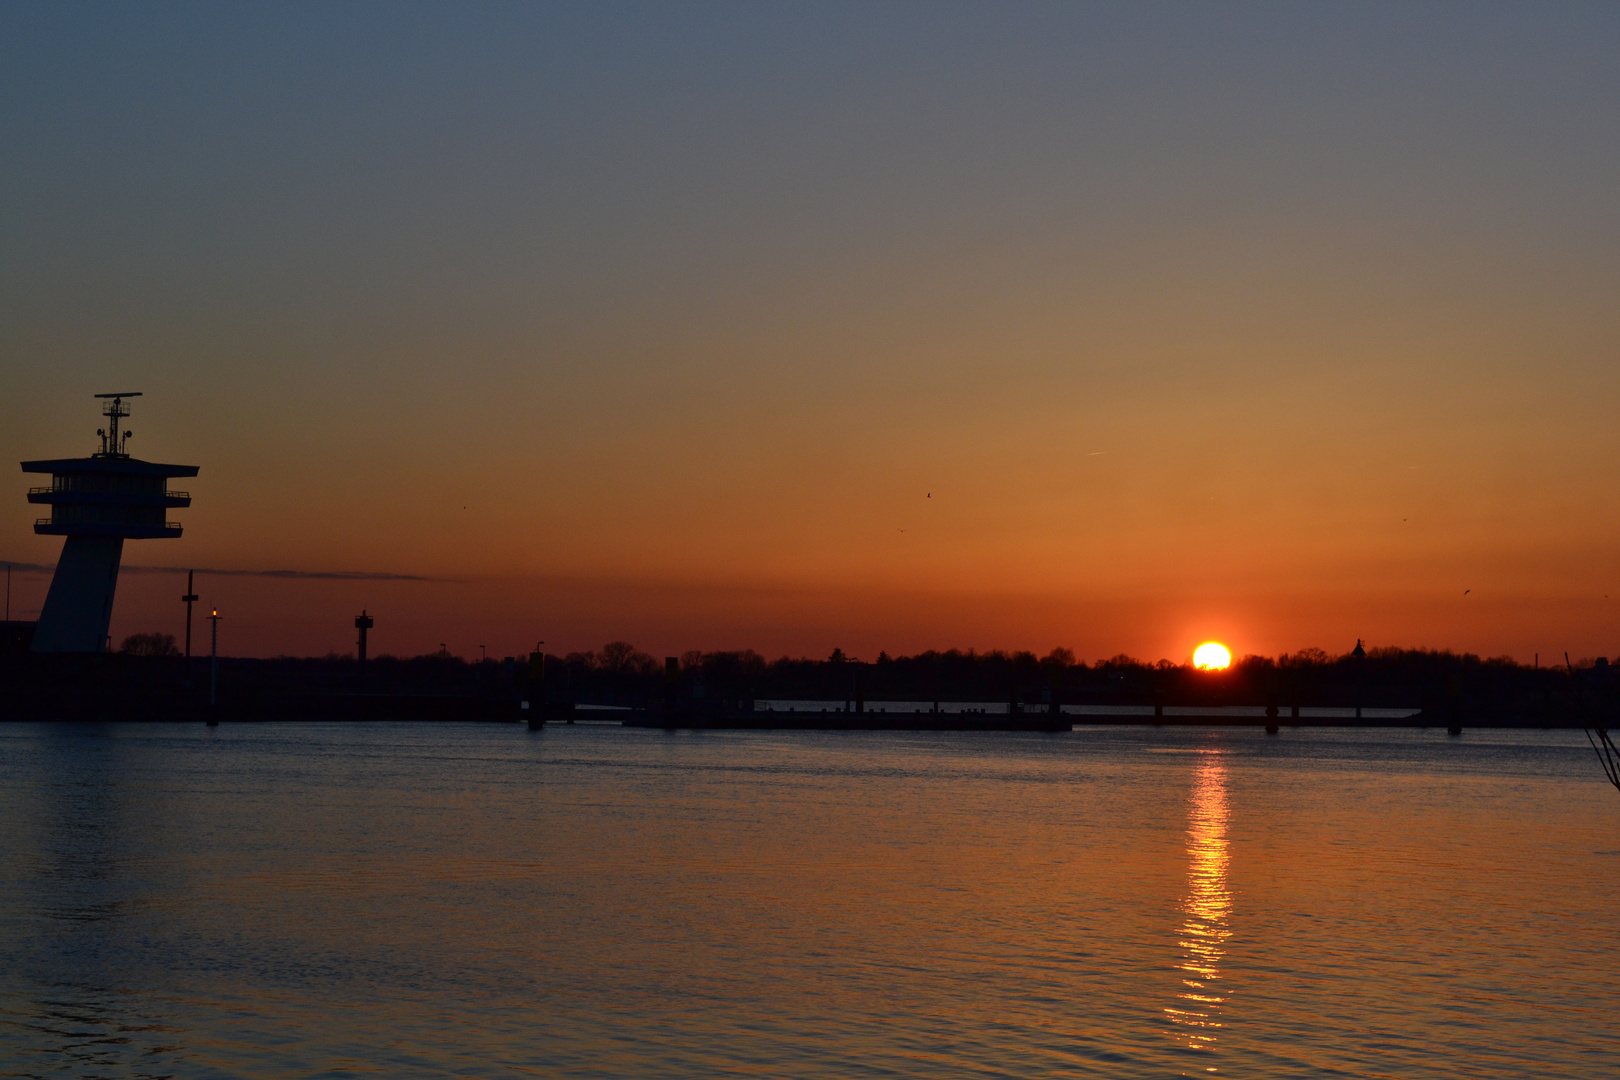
[363, 622]
[213, 668]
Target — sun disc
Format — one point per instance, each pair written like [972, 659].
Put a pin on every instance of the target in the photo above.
[1211, 656]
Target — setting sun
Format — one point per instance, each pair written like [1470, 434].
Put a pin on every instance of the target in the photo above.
[1211, 656]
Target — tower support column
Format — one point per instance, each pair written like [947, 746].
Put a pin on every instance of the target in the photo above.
[78, 608]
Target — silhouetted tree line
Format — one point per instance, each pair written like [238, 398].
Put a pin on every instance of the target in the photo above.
[619, 673]
[150, 645]
[1382, 677]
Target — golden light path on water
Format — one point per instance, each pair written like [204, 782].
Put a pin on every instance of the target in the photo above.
[1195, 1018]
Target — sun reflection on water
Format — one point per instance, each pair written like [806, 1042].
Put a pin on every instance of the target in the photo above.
[1203, 932]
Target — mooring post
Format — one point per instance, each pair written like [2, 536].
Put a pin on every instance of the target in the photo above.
[1360, 658]
[537, 688]
[1455, 703]
[672, 683]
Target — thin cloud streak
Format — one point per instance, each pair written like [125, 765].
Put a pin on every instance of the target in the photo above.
[294, 575]
[291, 575]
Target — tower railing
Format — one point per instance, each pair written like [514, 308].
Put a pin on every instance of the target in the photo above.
[170, 526]
[167, 493]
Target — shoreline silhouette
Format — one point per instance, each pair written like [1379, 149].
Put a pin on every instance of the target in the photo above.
[955, 689]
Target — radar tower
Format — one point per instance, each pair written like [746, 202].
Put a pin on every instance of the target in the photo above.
[97, 503]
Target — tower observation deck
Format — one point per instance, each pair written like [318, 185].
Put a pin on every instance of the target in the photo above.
[97, 503]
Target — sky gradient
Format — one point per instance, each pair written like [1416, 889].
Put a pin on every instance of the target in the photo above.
[1284, 325]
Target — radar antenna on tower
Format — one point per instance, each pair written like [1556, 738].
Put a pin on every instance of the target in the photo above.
[112, 443]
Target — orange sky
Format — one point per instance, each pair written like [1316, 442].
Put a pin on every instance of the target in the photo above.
[802, 330]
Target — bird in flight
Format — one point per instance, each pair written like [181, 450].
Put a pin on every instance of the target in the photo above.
[1467, 591]
[930, 494]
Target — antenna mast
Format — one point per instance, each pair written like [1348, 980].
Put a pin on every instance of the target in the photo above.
[112, 443]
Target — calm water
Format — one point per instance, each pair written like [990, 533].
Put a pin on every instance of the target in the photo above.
[331, 900]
